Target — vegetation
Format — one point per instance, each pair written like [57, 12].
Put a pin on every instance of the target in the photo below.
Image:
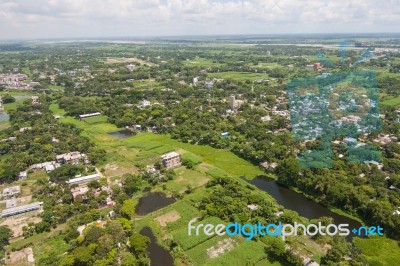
[179, 99]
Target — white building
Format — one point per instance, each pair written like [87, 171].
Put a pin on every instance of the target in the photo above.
[11, 192]
[145, 104]
[22, 209]
[83, 179]
[171, 159]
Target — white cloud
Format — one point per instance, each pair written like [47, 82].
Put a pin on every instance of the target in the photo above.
[63, 18]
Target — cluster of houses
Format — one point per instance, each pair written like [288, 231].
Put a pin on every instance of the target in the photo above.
[17, 81]
[72, 158]
[9, 195]
[314, 66]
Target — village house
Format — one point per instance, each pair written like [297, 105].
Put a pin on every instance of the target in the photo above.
[72, 158]
[23, 129]
[171, 159]
[47, 166]
[267, 165]
[35, 100]
[233, 103]
[252, 207]
[23, 175]
[145, 104]
[82, 190]
[11, 192]
[131, 67]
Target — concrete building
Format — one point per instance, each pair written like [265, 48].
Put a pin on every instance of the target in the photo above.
[47, 166]
[22, 209]
[83, 179]
[74, 157]
[145, 104]
[11, 192]
[233, 103]
[131, 67]
[171, 159]
[79, 191]
[35, 100]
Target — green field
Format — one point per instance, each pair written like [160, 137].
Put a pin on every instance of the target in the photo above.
[188, 242]
[247, 253]
[239, 76]
[379, 250]
[184, 178]
[199, 254]
[392, 102]
[96, 120]
[202, 62]
[50, 248]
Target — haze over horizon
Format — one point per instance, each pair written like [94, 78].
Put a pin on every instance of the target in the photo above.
[96, 18]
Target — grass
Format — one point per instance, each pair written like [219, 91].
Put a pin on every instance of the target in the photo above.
[194, 159]
[198, 254]
[53, 247]
[35, 239]
[202, 62]
[56, 109]
[96, 120]
[247, 253]
[222, 159]
[392, 102]
[188, 242]
[379, 250]
[185, 177]
[151, 145]
[186, 211]
[239, 76]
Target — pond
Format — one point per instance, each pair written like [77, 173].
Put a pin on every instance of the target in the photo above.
[157, 254]
[4, 116]
[122, 134]
[153, 201]
[295, 201]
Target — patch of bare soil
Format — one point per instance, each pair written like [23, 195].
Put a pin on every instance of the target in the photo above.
[220, 248]
[169, 217]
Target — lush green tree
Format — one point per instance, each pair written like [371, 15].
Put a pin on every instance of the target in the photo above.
[139, 243]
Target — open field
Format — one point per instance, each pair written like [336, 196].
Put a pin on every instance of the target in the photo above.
[202, 62]
[246, 253]
[184, 178]
[379, 250]
[95, 120]
[187, 242]
[212, 249]
[145, 147]
[113, 60]
[392, 102]
[50, 248]
[239, 76]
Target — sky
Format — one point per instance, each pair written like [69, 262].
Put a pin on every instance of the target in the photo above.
[38, 19]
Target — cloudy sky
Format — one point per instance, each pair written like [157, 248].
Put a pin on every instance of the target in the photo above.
[109, 18]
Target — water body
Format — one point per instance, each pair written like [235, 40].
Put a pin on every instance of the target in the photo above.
[298, 202]
[157, 254]
[122, 134]
[153, 201]
[4, 116]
